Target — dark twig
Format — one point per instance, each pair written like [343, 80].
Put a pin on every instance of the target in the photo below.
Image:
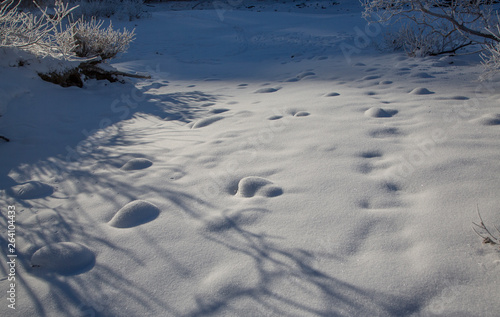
[452, 51]
[488, 237]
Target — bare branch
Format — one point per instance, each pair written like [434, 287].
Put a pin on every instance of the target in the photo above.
[459, 23]
[460, 26]
[486, 234]
[28, 31]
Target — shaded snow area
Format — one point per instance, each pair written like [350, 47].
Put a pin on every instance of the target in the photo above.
[275, 164]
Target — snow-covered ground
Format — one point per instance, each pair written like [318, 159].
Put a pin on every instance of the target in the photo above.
[276, 164]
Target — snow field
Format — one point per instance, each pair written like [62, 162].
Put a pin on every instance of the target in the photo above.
[242, 181]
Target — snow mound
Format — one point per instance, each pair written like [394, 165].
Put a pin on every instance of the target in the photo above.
[65, 258]
[137, 164]
[376, 112]
[305, 74]
[489, 120]
[253, 185]
[332, 94]
[370, 77]
[301, 114]
[31, 190]
[300, 77]
[421, 91]
[266, 90]
[206, 121]
[218, 110]
[134, 213]
[422, 75]
[371, 154]
[275, 117]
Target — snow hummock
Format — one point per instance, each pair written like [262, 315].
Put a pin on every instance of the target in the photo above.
[421, 91]
[137, 164]
[377, 112]
[31, 190]
[134, 213]
[206, 121]
[63, 258]
[253, 185]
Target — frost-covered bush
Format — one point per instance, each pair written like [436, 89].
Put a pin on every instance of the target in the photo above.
[122, 9]
[448, 25]
[74, 49]
[42, 33]
[491, 61]
[92, 40]
[420, 42]
[49, 34]
[441, 26]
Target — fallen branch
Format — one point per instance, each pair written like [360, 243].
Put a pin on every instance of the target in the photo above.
[73, 77]
[92, 69]
[451, 51]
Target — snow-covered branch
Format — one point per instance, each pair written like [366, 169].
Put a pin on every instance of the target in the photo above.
[491, 59]
[86, 43]
[42, 34]
[93, 40]
[453, 23]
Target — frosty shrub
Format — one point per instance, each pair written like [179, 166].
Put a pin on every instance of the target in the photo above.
[420, 42]
[122, 9]
[491, 60]
[41, 34]
[46, 35]
[445, 26]
[70, 50]
[92, 40]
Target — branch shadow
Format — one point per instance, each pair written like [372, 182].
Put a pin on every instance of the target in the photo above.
[84, 294]
[295, 267]
[20, 163]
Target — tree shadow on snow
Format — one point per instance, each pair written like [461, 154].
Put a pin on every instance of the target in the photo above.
[80, 165]
[288, 284]
[86, 294]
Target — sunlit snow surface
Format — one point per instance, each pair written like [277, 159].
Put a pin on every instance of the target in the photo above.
[276, 164]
